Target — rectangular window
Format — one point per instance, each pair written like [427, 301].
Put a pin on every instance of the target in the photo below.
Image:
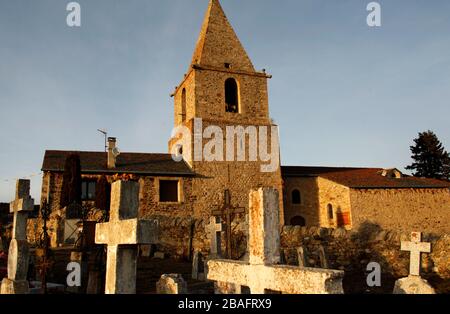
[88, 190]
[168, 191]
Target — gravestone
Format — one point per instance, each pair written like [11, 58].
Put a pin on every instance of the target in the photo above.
[18, 253]
[301, 257]
[323, 257]
[198, 266]
[283, 259]
[414, 284]
[159, 255]
[145, 250]
[214, 231]
[171, 284]
[262, 274]
[228, 211]
[122, 234]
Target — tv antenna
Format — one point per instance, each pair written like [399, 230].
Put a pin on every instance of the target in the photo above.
[105, 133]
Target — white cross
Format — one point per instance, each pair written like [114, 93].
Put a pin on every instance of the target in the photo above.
[416, 247]
[262, 272]
[22, 204]
[214, 230]
[122, 234]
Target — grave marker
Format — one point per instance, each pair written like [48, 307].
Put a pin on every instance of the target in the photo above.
[122, 234]
[262, 274]
[18, 254]
[214, 230]
[414, 284]
[416, 247]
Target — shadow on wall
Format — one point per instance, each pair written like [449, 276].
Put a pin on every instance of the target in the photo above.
[355, 278]
[352, 251]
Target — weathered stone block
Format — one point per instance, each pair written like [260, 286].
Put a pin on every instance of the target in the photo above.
[18, 259]
[413, 285]
[159, 255]
[14, 287]
[171, 284]
[130, 231]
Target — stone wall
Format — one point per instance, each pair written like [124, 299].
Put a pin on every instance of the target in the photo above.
[353, 250]
[180, 237]
[406, 210]
[316, 194]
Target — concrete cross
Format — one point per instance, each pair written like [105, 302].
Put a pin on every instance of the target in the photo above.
[262, 272]
[18, 254]
[416, 247]
[122, 234]
[21, 206]
[214, 230]
[228, 211]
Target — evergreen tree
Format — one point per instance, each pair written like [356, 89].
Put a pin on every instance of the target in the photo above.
[71, 187]
[431, 160]
[102, 194]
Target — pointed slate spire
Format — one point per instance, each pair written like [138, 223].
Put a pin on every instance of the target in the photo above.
[218, 43]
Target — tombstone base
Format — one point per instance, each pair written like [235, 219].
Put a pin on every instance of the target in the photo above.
[226, 288]
[171, 284]
[413, 285]
[14, 287]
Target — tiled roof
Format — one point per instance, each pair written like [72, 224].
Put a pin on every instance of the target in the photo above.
[363, 178]
[132, 163]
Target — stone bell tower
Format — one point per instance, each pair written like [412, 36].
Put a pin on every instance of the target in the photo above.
[222, 88]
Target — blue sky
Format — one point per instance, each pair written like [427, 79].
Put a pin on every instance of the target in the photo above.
[343, 94]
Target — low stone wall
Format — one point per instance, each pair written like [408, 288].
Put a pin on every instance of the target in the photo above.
[352, 251]
[176, 233]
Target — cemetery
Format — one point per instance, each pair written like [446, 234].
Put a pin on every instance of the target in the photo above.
[269, 267]
[130, 223]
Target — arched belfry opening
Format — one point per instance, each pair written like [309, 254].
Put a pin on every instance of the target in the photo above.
[231, 96]
[296, 197]
[183, 104]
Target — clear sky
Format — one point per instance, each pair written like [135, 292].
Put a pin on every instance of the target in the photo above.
[344, 94]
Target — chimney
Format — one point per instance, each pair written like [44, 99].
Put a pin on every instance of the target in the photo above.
[392, 173]
[112, 152]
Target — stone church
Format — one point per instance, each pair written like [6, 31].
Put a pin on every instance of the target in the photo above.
[223, 88]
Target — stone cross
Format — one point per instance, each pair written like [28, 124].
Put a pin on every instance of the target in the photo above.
[21, 206]
[18, 254]
[262, 273]
[214, 229]
[122, 234]
[228, 211]
[416, 247]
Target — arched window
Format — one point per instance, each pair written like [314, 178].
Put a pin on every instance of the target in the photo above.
[330, 211]
[298, 221]
[231, 96]
[296, 197]
[183, 104]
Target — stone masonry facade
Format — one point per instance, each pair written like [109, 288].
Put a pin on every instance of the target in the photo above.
[405, 209]
[202, 94]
